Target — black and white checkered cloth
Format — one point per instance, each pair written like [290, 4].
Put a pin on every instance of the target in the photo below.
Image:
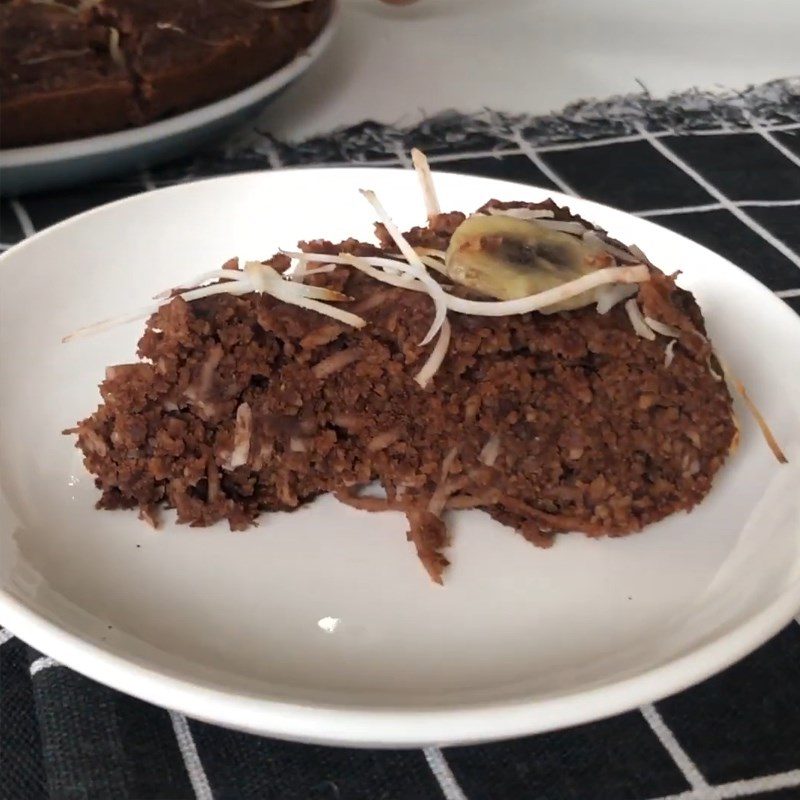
[723, 170]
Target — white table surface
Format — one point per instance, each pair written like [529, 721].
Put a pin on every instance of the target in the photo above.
[398, 64]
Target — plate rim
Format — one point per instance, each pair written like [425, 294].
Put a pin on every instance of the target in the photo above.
[322, 724]
[106, 143]
[385, 726]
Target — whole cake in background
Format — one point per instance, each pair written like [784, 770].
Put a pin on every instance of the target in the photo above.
[77, 68]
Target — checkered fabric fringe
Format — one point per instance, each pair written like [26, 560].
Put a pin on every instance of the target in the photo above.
[723, 169]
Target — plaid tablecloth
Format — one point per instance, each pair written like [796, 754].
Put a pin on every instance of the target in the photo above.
[721, 169]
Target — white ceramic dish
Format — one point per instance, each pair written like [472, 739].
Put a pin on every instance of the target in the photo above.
[321, 625]
[49, 166]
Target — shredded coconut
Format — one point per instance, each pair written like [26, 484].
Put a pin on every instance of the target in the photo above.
[114, 50]
[663, 328]
[420, 272]
[431, 366]
[423, 171]
[490, 451]
[336, 362]
[623, 256]
[443, 491]
[669, 352]
[610, 296]
[241, 436]
[637, 320]
[769, 437]
[275, 5]
[549, 297]
[521, 213]
[575, 228]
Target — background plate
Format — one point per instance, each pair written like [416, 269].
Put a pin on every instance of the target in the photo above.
[321, 625]
[48, 166]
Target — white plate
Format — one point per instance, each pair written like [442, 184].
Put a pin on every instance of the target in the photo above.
[48, 166]
[321, 625]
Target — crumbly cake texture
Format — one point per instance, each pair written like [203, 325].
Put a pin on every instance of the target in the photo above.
[548, 423]
[74, 69]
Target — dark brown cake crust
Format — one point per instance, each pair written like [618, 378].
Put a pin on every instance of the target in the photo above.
[67, 73]
[593, 431]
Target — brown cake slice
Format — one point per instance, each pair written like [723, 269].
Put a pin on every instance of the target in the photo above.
[600, 418]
